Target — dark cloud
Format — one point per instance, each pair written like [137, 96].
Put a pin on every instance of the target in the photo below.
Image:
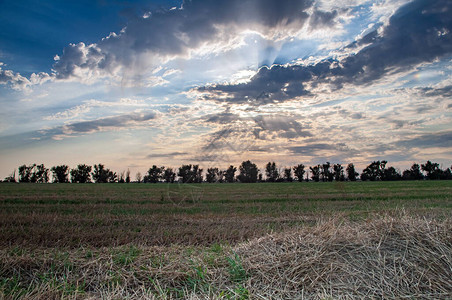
[177, 31]
[262, 127]
[283, 126]
[312, 149]
[445, 92]
[108, 123]
[323, 17]
[164, 155]
[432, 140]
[60, 132]
[418, 32]
[222, 118]
[316, 149]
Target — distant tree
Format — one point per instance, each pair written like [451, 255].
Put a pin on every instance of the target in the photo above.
[374, 171]
[11, 177]
[213, 175]
[40, 174]
[122, 178]
[431, 169]
[185, 173]
[197, 174]
[446, 174]
[81, 174]
[325, 173]
[315, 173]
[299, 172]
[60, 174]
[391, 174]
[103, 175]
[138, 177]
[352, 175]
[248, 172]
[338, 172]
[190, 174]
[271, 172]
[128, 176]
[25, 172]
[288, 174]
[414, 173]
[169, 175]
[220, 176]
[112, 177]
[154, 174]
[229, 174]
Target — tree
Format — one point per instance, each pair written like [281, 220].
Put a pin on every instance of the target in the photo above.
[446, 174]
[128, 176]
[325, 172]
[248, 172]
[190, 174]
[391, 174]
[197, 174]
[432, 169]
[414, 173]
[25, 173]
[81, 174]
[230, 173]
[138, 177]
[122, 178]
[154, 174]
[40, 174]
[338, 172]
[103, 175]
[299, 172]
[352, 175]
[213, 175]
[374, 171]
[271, 172]
[169, 175]
[315, 173]
[60, 174]
[112, 177]
[11, 178]
[288, 174]
[185, 173]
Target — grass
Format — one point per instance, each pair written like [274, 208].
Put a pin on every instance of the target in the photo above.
[226, 241]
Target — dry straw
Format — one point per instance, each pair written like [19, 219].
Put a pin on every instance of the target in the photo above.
[381, 258]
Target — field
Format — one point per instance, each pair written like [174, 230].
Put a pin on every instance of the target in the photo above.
[226, 241]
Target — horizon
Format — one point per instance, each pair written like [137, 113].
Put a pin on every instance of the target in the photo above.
[139, 83]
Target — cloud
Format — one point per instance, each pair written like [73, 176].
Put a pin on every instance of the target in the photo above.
[20, 83]
[419, 32]
[431, 140]
[445, 92]
[166, 155]
[108, 123]
[222, 118]
[314, 149]
[166, 34]
[284, 127]
[86, 107]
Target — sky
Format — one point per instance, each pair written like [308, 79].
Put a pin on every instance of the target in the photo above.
[131, 84]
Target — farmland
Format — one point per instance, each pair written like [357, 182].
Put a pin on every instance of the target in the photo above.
[203, 240]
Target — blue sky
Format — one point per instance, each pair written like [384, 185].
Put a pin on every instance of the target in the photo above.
[134, 83]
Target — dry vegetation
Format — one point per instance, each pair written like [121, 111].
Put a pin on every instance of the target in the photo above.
[306, 241]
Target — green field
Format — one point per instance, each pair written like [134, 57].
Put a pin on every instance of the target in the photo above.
[187, 240]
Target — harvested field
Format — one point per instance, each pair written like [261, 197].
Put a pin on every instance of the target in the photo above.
[226, 241]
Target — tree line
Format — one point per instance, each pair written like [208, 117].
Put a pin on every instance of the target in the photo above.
[248, 172]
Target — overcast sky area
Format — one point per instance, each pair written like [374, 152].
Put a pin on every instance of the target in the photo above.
[131, 84]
